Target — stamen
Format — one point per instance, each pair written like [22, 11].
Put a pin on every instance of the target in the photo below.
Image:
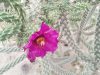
[40, 41]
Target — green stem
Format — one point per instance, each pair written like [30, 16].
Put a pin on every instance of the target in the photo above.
[12, 64]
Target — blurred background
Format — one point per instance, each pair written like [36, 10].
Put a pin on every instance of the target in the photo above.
[78, 23]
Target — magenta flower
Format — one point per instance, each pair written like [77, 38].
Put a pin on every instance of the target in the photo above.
[43, 41]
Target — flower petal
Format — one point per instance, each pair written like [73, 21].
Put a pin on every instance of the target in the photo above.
[41, 53]
[44, 27]
[31, 56]
[51, 40]
[31, 39]
[52, 36]
[50, 47]
[34, 36]
[29, 44]
[37, 51]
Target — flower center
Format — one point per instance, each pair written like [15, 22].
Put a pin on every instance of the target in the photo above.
[40, 41]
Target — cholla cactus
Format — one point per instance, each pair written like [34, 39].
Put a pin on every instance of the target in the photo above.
[62, 15]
